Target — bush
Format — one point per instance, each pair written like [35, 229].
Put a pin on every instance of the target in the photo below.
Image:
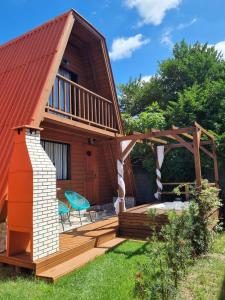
[203, 202]
[186, 236]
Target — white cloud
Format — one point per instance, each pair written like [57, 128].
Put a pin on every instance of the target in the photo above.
[146, 78]
[166, 38]
[221, 48]
[124, 47]
[188, 24]
[152, 11]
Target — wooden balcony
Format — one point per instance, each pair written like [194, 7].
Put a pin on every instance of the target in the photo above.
[72, 101]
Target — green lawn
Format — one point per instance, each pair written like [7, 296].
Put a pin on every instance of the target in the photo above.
[111, 277]
[108, 277]
[206, 279]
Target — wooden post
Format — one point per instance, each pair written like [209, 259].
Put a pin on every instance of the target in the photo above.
[215, 164]
[196, 146]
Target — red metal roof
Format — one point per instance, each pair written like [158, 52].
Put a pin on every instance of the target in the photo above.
[25, 66]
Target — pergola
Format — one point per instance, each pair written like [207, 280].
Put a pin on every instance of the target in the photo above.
[194, 138]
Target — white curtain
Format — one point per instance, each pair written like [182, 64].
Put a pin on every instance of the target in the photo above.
[58, 153]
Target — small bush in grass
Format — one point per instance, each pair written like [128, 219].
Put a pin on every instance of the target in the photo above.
[203, 202]
[185, 236]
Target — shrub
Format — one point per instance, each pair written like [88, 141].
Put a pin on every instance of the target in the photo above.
[186, 236]
[203, 202]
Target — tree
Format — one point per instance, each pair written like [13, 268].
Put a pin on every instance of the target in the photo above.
[136, 95]
[188, 87]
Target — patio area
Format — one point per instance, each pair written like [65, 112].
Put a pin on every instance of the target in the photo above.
[77, 221]
[76, 247]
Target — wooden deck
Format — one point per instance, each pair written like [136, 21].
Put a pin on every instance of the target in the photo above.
[136, 223]
[76, 248]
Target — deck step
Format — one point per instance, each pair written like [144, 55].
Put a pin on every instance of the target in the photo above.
[54, 273]
[83, 244]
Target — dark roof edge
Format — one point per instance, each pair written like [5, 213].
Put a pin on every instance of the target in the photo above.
[87, 24]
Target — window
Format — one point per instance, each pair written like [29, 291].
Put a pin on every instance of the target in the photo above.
[59, 154]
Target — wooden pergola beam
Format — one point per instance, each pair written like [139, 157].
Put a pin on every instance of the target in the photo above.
[162, 133]
[154, 139]
[207, 152]
[184, 134]
[204, 131]
[173, 146]
[185, 144]
[128, 149]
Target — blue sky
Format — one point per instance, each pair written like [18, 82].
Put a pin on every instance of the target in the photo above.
[139, 33]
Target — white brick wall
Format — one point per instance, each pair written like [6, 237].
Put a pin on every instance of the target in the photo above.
[45, 205]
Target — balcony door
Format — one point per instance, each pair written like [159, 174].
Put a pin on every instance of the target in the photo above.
[62, 92]
[92, 174]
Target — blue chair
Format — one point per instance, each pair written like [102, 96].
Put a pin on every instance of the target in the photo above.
[77, 202]
[64, 212]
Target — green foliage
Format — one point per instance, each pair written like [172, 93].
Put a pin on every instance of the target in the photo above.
[190, 64]
[151, 117]
[154, 280]
[188, 87]
[167, 261]
[186, 236]
[136, 95]
[204, 201]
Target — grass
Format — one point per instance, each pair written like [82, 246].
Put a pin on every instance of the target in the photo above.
[206, 279]
[108, 277]
[111, 277]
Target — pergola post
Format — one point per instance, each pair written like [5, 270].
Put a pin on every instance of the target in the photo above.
[197, 159]
[215, 164]
[123, 149]
[159, 157]
[120, 190]
[157, 176]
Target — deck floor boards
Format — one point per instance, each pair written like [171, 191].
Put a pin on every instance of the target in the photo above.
[71, 244]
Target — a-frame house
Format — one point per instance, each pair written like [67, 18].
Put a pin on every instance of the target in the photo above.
[57, 104]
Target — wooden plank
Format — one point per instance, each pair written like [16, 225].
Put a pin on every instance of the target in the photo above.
[73, 264]
[80, 118]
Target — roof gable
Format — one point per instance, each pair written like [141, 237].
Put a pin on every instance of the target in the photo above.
[25, 67]
[28, 66]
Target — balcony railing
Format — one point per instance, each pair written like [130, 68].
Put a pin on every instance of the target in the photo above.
[72, 101]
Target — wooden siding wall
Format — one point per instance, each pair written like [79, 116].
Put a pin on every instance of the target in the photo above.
[107, 189]
[79, 63]
[88, 62]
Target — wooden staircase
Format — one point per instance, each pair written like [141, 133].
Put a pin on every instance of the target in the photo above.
[76, 248]
[59, 270]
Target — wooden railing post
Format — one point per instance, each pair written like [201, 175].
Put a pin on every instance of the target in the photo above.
[83, 104]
